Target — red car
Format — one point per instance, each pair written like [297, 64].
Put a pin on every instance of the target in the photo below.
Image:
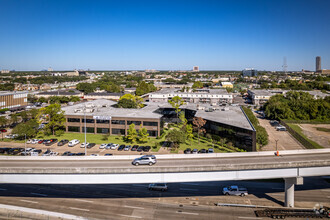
[3, 130]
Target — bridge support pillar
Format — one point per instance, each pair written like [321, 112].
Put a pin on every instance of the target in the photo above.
[289, 190]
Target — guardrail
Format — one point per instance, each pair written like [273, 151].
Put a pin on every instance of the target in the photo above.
[170, 156]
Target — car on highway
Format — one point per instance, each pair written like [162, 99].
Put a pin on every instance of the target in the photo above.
[235, 190]
[90, 145]
[145, 160]
[187, 151]
[62, 142]
[127, 147]
[73, 143]
[210, 150]
[102, 146]
[121, 147]
[84, 144]
[134, 148]
[158, 186]
[280, 128]
[114, 146]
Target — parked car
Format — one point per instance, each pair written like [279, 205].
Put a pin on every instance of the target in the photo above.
[66, 153]
[3, 130]
[54, 140]
[80, 154]
[102, 146]
[127, 147]
[121, 147]
[187, 151]
[62, 142]
[144, 161]
[40, 141]
[114, 146]
[47, 153]
[146, 149]
[140, 149]
[73, 143]
[108, 146]
[194, 151]
[158, 186]
[280, 128]
[202, 151]
[36, 151]
[90, 145]
[235, 190]
[83, 145]
[108, 154]
[53, 153]
[274, 122]
[34, 141]
[210, 150]
[94, 155]
[71, 154]
[4, 150]
[134, 148]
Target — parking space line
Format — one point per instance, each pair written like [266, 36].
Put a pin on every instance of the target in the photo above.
[82, 200]
[86, 210]
[188, 213]
[133, 207]
[28, 201]
[130, 216]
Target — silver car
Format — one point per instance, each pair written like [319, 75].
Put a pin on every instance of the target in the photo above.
[158, 186]
[145, 160]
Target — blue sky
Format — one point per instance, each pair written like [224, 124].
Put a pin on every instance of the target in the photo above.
[172, 34]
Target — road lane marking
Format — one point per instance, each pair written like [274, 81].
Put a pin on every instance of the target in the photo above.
[193, 184]
[130, 216]
[86, 210]
[188, 213]
[28, 201]
[2, 189]
[140, 185]
[248, 217]
[82, 200]
[38, 194]
[189, 189]
[133, 207]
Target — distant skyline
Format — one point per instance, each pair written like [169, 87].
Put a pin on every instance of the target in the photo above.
[164, 35]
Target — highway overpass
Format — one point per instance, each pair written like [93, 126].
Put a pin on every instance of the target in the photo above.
[290, 165]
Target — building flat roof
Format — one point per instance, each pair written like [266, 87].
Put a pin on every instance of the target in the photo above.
[3, 93]
[104, 107]
[197, 91]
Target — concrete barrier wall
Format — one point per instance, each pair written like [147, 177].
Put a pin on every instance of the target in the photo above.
[169, 156]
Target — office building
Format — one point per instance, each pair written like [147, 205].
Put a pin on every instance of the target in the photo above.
[196, 69]
[13, 100]
[318, 63]
[250, 72]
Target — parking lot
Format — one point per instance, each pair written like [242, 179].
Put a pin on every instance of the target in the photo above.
[285, 140]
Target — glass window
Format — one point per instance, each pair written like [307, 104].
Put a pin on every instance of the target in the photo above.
[73, 119]
[102, 121]
[134, 122]
[152, 133]
[118, 122]
[88, 129]
[150, 123]
[74, 129]
[88, 120]
[102, 130]
[118, 131]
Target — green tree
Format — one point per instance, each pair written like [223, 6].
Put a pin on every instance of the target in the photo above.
[176, 102]
[54, 116]
[143, 135]
[176, 136]
[144, 88]
[3, 121]
[14, 119]
[131, 133]
[130, 101]
[42, 100]
[74, 99]
[29, 129]
[197, 85]
[189, 133]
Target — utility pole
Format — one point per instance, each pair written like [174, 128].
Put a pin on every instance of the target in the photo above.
[25, 144]
[276, 144]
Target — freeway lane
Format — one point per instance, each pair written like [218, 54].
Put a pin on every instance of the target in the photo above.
[193, 162]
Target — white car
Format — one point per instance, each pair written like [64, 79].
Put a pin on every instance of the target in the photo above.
[280, 128]
[103, 146]
[109, 146]
[73, 143]
[114, 146]
[34, 141]
[83, 145]
[29, 141]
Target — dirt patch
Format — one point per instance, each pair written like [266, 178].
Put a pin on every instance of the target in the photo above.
[320, 137]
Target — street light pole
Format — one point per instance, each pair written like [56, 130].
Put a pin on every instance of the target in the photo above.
[276, 144]
[85, 129]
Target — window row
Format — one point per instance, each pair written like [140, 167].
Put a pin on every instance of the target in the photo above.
[115, 131]
[114, 122]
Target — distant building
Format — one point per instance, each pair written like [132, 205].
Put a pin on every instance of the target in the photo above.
[318, 64]
[103, 95]
[196, 69]
[12, 100]
[73, 73]
[50, 69]
[227, 85]
[5, 71]
[59, 93]
[250, 72]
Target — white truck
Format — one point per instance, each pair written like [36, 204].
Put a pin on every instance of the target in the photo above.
[235, 190]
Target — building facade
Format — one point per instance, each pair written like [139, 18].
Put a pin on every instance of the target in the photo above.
[249, 72]
[318, 64]
[12, 100]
